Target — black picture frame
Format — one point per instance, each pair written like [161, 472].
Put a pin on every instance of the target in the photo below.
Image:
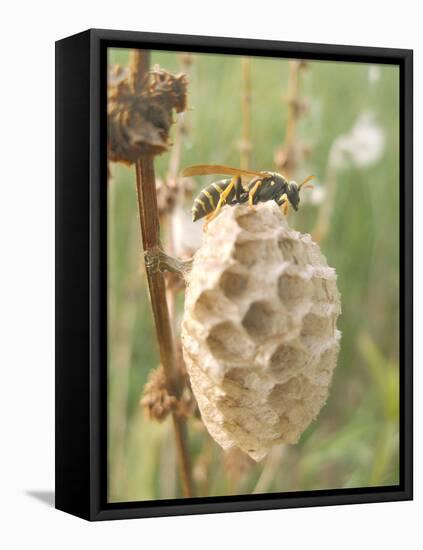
[81, 274]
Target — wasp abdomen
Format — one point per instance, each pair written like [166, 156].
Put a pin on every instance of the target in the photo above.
[207, 201]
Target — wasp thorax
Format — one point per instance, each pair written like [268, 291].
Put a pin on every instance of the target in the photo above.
[259, 329]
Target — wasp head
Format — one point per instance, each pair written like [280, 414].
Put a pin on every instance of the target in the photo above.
[293, 193]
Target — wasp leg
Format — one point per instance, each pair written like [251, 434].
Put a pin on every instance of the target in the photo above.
[252, 192]
[207, 220]
[284, 204]
[222, 200]
[240, 194]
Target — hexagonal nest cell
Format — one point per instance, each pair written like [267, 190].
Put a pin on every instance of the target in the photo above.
[294, 290]
[259, 320]
[317, 327]
[233, 283]
[259, 329]
[227, 343]
[205, 305]
[287, 360]
[247, 252]
[292, 251]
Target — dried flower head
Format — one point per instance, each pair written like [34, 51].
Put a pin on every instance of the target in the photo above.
[139, 121]
[169, 190]
[166, 196]
[156, 400]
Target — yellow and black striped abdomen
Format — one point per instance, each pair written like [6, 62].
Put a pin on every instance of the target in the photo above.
[206, 202]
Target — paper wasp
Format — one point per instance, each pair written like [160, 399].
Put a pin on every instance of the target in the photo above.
[264, 186]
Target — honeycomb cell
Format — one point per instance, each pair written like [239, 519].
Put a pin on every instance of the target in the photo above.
[227, 343]
[317, 327]
[256, 253]
[279, 401]
[259, 321]
[292, 251]
[294, 290]
[324, 290]
[249, 223]
[320, 291]
[287, 358]
[254, 222]
[246, 252]
[205, 305]
[233, 284]
[323, 371]
[239, 375]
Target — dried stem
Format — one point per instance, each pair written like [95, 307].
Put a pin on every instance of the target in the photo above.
[245, 146]
[175, 155]
[180, 128]
[150, 231]
[292, 99]
[286, 157]
[271, 466]
[171, 177]
[322, 224]
[139, 67]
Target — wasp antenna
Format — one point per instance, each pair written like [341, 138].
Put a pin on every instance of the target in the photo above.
[306, 181]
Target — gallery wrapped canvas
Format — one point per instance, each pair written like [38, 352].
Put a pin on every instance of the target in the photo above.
[233, 274]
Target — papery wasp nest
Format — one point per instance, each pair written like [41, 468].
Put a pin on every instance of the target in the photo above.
[259, 330]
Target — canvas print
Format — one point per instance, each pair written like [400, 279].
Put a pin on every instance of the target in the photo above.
[252, 275]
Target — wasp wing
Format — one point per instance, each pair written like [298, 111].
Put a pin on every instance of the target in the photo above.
[205, 169]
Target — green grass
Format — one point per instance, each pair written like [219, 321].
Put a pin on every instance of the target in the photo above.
[354, 442]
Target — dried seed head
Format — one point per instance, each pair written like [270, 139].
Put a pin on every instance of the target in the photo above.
[259, 329]
[169, 191]
[156, 400]
[166, 196]
[139, 121]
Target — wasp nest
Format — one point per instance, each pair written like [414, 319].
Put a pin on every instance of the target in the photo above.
[259, 329]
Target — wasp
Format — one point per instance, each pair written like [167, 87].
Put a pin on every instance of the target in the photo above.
[262, 187]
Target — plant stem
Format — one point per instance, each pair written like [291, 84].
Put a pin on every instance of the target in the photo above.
[286, 157]
[139, 67]
[150, 232]
[293, 116]
[172, 178]
[149, 218]
[246, 114]
[322, 224]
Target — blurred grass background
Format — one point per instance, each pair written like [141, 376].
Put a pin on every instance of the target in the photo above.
[354, 442]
